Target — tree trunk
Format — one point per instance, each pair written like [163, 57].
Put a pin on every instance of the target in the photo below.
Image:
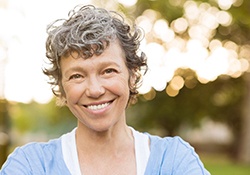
[244, 144]
[4, 138]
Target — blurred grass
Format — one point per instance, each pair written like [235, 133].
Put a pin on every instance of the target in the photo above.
[220, 164]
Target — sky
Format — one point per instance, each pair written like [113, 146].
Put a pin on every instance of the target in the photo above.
[23, 35]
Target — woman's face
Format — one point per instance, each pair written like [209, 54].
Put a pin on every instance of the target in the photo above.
[96, 89]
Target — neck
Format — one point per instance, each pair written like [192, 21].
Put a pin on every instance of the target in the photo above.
[113, 139]
[111, 151]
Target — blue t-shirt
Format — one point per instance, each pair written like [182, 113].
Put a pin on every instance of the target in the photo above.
[168, 156]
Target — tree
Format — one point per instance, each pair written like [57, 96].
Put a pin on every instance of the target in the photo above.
[224, 98]
[219, 100]
[244, 136]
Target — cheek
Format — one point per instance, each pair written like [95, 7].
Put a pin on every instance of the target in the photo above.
[119, 87]
[73, 93]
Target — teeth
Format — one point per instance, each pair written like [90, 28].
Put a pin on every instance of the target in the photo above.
[98, 107]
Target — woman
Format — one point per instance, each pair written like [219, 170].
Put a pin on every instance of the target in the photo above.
[95, 72]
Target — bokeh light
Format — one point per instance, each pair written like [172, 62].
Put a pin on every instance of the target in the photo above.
[207, 56]
[128, 2]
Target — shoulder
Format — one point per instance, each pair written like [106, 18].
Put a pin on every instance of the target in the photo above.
[38, 150]
[35, 158]
[174, 155]
[168, 143]
[51, 145]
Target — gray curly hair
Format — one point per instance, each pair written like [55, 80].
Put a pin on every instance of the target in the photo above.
[88, 31]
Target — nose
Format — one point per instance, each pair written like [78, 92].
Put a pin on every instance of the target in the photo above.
[94, 88]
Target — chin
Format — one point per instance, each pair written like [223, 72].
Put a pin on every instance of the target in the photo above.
[98, 128]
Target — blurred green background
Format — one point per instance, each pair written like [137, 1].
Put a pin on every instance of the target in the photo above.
[198, 85]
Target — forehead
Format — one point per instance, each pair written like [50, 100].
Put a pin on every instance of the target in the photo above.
[96, 49]
[112, 53]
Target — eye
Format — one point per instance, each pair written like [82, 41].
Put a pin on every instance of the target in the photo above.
[110, 71]
[75, 76]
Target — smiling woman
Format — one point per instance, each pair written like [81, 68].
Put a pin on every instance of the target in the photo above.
[95, 71]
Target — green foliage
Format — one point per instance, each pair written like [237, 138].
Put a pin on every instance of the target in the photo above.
[239, 30]
[36, 117]
[165, 8]
[219, 100]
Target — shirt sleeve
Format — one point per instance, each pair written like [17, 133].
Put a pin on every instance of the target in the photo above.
[36, 159]
[173, 156]
[16, 163]
[186, 160]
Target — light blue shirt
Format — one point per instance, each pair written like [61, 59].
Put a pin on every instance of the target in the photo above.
[168, 156]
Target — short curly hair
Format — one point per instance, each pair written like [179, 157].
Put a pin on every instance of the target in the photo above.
[88, 31]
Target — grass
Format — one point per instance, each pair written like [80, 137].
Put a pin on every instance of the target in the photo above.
[218, 164]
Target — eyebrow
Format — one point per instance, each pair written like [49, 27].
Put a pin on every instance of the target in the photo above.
[79, 68]
[107, 63]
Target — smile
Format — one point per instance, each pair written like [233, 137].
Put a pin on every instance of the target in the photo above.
[98, 107]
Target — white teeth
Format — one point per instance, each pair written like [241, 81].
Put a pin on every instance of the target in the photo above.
[98, 107]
